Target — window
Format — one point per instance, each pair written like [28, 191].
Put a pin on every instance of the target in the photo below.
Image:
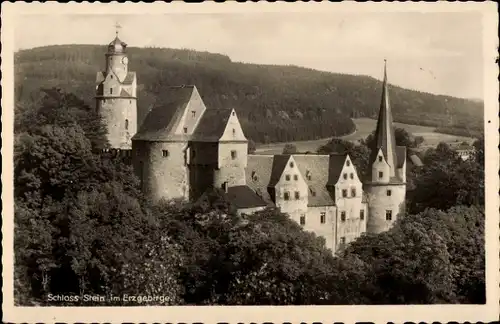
[291, 164]
[342, 240]
[380, 158]
[297, 195]
[389, 192]
[362, 214]
[287, 195]
[234, 131]
[130, 101]
[380, 174]
[313, 193]
[388, 215]
[295, 177]
[353, 192]
[110, 90]
[111, 76]
[345, 176]
[342, 216]
[308, 175]
[193, 113]
[302, 219]
[126, 123]
[138, 152]
[233, 154]
[352, 175]
[103, 100]
[348, 163]
[344, 193]
[254, 176]
[322, 217]
[165, 153]
[233, 113]
[287, 177]
[193, 153]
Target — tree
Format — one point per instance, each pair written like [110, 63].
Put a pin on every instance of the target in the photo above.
[289, 149]
[251, 147]
[359, 154]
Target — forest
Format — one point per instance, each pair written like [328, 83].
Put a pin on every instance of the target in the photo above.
[82, 227]
[274, 103]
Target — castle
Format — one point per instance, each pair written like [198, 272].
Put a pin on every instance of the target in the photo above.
[182, 149]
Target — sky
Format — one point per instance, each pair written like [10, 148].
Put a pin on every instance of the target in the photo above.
[440, 53]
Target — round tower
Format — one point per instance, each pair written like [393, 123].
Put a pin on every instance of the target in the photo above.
[386, 183]
[116, 96]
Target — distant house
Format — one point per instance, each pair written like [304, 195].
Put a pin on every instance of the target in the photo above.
[465, 151]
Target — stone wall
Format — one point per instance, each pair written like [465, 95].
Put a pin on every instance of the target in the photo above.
[163, 169]
[379, 202]
[120, 117]
[325, 230]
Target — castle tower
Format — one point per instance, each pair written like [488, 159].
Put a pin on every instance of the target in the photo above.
[116, 96]
[386, 183]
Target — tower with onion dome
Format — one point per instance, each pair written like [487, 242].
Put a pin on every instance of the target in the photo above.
[116, 96]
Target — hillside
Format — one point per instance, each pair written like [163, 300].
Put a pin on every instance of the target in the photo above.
[275, 103]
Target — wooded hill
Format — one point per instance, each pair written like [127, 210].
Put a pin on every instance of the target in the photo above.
[274, 103]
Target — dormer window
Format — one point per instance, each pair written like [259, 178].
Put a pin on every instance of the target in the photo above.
[313, 193]
[380, 158]
[254, 176]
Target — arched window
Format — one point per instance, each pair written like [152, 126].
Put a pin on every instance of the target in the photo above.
[126, 123]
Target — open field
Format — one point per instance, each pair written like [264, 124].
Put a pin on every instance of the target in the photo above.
[364, 126]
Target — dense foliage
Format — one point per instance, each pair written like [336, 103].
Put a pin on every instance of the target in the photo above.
[82, 228]
[274, 103]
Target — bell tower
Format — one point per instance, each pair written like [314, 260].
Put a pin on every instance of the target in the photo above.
[386, 182]
[116, 95]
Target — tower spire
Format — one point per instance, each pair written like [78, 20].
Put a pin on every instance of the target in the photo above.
[384, 135]
[117, 28]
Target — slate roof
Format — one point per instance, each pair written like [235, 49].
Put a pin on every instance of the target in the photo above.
[124, 93]
[129, 78]
[117, 45]
[212, 125]
[161, 121]
[337, 162]
[279, 164]
[244, 197]
[384, 133]
[401, 156]
[258, 175]
[318, 166]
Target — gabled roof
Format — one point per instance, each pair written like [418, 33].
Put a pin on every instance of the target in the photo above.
[317, 166]
[258, 175]
[162, 120]
[337, 162]
[212, 125]
[129, 78]
[244, 197]
[124, 93]
[100, 77]
[279, 164]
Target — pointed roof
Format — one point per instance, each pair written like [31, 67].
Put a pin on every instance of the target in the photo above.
[117, 46]
[161, 121]
[384, 134]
